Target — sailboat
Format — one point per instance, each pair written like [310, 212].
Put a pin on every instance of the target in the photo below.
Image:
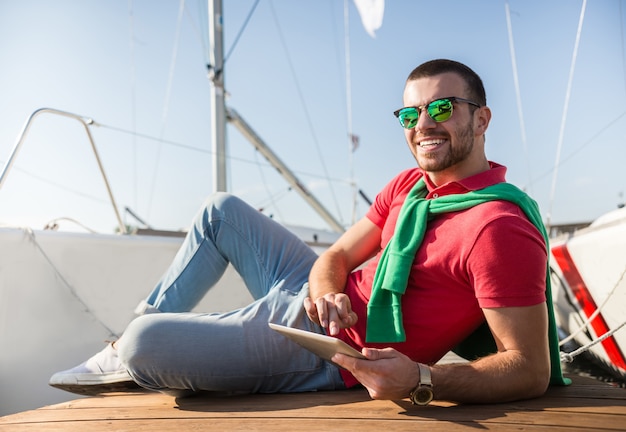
[76, 290]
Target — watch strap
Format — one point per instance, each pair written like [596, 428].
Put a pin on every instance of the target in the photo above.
[425, 378]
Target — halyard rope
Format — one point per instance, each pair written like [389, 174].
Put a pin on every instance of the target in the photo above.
[596, 312]
[31, 235]
[569, 357]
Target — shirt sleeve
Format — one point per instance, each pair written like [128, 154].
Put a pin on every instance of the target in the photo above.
[508, 263]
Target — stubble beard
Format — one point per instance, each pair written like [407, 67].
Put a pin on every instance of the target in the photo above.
[458, 151]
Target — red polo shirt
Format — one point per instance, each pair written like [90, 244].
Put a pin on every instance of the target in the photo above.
[488, 256]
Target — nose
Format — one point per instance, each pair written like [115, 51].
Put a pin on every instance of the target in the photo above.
[424, 122]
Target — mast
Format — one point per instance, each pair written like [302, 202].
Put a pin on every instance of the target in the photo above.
[220, 114]
[218, 106]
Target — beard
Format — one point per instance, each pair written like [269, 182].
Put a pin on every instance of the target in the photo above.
[458, 150]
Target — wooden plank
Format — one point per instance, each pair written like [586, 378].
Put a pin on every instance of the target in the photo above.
[306, 423]
[586, 405]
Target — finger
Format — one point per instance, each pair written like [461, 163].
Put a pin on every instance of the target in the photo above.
[344, 361]
[342, 306]
[379, 354]
[322, 311]
[353, 318]
[344, 309]
[311, 310]
[334, 321]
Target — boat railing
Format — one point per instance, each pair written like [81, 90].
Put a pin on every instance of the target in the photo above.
[86, 122]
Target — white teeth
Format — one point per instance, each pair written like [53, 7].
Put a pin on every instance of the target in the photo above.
[431, 142]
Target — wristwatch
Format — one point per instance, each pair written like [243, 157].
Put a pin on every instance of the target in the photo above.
[423, 393]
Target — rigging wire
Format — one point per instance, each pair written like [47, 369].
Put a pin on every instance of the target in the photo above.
[598, 310]
[623, 40]
[565, 108]
[194, 27]
[166, 102]
[304, 108]
[518, 94]
[266, 187]
[562, 160]
[133, 100]
[272, 200]
[583, 145]
[57, 185]
[241, 30]
[202, 33]
[71, 289]
[153, 138]
[569, 357]
[95, 199]
[351, 146]
[205, 151]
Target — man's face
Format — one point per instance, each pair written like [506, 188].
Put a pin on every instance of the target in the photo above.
[440, 146]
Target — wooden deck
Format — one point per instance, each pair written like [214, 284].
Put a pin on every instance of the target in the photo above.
[587, 405]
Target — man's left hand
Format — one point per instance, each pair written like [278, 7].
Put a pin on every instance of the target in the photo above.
[386, 374]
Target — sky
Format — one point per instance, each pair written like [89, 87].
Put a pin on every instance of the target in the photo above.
[138, 69]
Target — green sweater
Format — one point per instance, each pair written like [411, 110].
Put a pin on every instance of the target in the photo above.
[384, 310]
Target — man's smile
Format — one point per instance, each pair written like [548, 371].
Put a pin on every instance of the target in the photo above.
[431, 142]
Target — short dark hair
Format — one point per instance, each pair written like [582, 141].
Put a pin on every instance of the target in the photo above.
[475, 88]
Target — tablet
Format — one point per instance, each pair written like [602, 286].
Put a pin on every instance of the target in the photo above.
[323, 346]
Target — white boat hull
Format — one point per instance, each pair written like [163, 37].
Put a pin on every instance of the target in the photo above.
[589, 287]
[63, 294]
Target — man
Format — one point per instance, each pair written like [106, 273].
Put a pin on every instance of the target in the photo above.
[449, 246]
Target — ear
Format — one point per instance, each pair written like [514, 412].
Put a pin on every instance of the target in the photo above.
[482, 117]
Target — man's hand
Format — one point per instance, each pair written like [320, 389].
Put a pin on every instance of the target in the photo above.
[327, 305]
[386, 374]
[332, 311]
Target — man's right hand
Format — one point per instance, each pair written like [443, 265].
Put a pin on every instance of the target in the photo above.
[332, 311]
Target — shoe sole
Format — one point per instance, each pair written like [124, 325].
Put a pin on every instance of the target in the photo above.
[94, 384]
[97, 389]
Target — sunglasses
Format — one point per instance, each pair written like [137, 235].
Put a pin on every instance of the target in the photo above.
[439, 110]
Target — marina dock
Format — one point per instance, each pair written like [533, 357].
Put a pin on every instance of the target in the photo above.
[586, 405]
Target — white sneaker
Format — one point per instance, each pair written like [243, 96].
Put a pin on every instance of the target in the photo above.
[101, 373]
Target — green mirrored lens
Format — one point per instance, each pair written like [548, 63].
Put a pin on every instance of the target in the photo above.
[440, 110]
[408, 117]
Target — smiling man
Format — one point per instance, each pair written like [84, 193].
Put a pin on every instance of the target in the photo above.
[449, 255]
[482, 258]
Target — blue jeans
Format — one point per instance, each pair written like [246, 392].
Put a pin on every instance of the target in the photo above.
[176, 351]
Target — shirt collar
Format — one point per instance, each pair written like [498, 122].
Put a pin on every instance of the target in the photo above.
[496, 174]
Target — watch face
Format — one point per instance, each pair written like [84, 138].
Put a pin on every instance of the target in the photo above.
[423, 395]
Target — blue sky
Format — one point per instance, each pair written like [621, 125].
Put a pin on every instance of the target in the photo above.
[112, 61]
